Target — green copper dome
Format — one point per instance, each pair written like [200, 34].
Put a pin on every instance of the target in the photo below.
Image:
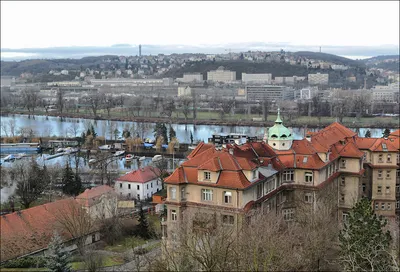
[279, 131]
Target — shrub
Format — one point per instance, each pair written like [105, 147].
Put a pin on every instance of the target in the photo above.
[26, 262]
[140, 251]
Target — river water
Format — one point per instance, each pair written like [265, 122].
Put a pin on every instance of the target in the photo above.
[49, 126]
[52, 126]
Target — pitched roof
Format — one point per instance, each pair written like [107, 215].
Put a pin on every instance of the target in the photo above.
[200, 148]
[395, 134]
[349, 150]
[88, 197]
[142, 175]
[31, 230]
[382, 144]
[333, 133]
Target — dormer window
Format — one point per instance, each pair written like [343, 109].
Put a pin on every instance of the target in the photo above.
[207, 175]
[274, 136]
[283, 136]
[254, 176]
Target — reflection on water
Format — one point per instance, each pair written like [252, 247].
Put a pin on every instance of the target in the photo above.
[68, 127]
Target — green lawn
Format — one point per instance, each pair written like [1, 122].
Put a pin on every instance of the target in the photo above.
[125, 244]
[108, 261]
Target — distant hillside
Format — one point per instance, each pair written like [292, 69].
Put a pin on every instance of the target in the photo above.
[329, 58]
[276, 69]
[37, 66]
[388, 62]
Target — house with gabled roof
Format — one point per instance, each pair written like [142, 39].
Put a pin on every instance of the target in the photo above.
[275, 175]
[28, 232]
[139, 184]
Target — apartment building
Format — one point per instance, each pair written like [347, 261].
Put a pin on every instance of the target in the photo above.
[221, 75]
[279, 174]
[386, 94]
[257, 78]
[269, 92]
[190, 78]
[184, 91]
[318, 79]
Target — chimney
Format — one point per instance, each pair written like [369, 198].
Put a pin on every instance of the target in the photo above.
[231, 151]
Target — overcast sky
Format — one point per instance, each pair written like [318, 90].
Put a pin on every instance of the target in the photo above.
[48, 24]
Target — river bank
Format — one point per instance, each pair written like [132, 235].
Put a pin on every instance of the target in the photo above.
[300, 121]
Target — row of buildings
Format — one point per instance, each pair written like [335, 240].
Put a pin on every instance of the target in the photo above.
[279, 174]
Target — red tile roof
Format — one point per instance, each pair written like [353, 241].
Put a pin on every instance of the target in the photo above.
[323, 139]
[395, 133]
[349, 150]
[89, 196]
[141, 175]
[200, 148]
[31, 230]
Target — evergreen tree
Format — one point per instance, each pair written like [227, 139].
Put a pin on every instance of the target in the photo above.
[364, 246]
[57, 259]
[88, 132]
[386, 133]
[191, 138]
[172, 133]
[92, 132]
[161, 130]
[72, 184]
[143, 227]
[367, 134]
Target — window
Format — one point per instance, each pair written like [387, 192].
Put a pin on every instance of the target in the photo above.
[227, 197]
[380, 158]
[129, 186]
[380, 172]
[288, 214]
[120, 185]
[228, 219]
[365, 156]
[151, 185]
[308, 198]
[255, 174]
[138, 187]
[309, 176]
[138, 196]
[398, 173]
[377, 206]
[342, 181]
[172, 193]
[147, 186]
[398, 204]
[389, 206]
[206, 194]
[345, 217]
[157, 181]
[387, 190]
[288, 176]
[129, 195]
[388, 174]
[379, 191]
[183, 193]
[259, 190]
[207, 175]
[343, 163]
[341, 197]
[383, 206]
[397, 189]
[363, 187]
[389, 158]
[174, 216]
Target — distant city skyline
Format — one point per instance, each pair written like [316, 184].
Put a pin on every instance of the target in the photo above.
[103, 24]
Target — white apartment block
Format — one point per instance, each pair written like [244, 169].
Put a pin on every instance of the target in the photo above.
[285, 80]
[184, 91]
[318, 79]
[386, 93]
[221, 75]
[257, 78]
[190, 78]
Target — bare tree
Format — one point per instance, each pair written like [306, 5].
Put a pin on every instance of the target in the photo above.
[60, 100]
[109, 103]
[74, 220]
[185, 105]
[73, 129]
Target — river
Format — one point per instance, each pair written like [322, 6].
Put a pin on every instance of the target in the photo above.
[53, 126]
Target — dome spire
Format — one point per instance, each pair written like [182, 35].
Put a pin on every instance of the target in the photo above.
[278, 118]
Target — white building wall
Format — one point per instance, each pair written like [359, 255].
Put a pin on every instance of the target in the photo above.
[135, 189]
[221, 76]
[257, 78]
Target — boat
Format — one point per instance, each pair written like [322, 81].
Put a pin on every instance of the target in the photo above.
[92, 161]
[157, 158]
[119, 153]
[59, 150]
[70, 150]
[105, 147]
[9, 158]
[142, 158]
[128, 157]
[54, 156]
